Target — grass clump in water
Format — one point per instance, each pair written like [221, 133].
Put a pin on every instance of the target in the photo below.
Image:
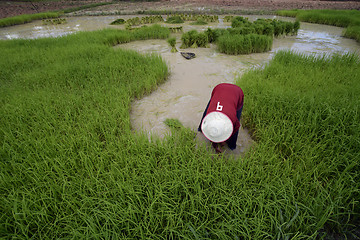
[118, 22]
[55, 21]
[244, 37]
[172, 43]
[199, 21]
[194, 39]
[174, 20]
[244, 44]
[349, 19]
[26, 18]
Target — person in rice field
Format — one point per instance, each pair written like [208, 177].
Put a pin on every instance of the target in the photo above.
[220, 122]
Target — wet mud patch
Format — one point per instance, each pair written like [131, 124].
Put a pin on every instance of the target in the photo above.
[186, 93]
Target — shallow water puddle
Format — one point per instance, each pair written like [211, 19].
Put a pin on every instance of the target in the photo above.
[185, 95]
[187, 91]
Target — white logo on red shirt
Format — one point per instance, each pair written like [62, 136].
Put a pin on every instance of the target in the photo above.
[219, 107]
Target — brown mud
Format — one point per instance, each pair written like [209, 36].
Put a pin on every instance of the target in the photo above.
[14, 8]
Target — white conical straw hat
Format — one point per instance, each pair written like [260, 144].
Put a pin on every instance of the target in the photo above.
[217, 127]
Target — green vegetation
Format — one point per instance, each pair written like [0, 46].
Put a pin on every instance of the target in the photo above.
[194, 39]
[349, 19]
[195, 17]
[172, 43]
[55, 21]
[228, 18]
[21, 19]
[176, 29]
[304, 113]
[199, 21]
[353, 32]
[244, 37]
[174, 20]
[244, 44]
[71, 166]
[118, 22]
[144, 20]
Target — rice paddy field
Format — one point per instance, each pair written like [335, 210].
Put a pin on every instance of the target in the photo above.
[73, 168]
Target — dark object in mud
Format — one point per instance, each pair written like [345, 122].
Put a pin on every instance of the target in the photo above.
[118, 22]
[188, 55]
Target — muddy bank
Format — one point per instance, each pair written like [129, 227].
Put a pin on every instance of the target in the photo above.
[218, 6]
[14, 8]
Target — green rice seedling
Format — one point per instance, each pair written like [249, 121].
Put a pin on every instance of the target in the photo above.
[259, 28]
[239, 21]
[155, 31]
[150, 32]
[72, 166]
[264, 26]
[189, 38]
[172, 43]
[176, 29]
[118, 22]
[202, 40]
[353, 32]
[243, 44]
[279, 27]
[21, 19]
[228, 18]
[55, 21]
[308, 107]
[173, 123]
[260, 43]
[296, 27]
[194, 39]
[199, 21]
[174, 20]
[340, 18]
[268, 30]
[289, 28]
[134, 21]
[242, 30]
[213, 34]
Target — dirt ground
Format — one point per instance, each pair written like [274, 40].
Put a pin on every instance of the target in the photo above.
[13, 8]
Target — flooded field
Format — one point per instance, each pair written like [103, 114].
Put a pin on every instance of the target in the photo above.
[185, 95]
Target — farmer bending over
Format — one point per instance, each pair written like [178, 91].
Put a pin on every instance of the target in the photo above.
[220, 122]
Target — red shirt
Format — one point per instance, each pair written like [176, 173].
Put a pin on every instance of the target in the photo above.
[227, 98]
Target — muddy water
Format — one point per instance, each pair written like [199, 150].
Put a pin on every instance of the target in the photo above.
[187, 91]
[185, 95]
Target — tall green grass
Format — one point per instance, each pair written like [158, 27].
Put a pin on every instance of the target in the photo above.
[71, 166]
[244, 44]
[305, 111]
[244, 37]
[26, 18]
[349, 19]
